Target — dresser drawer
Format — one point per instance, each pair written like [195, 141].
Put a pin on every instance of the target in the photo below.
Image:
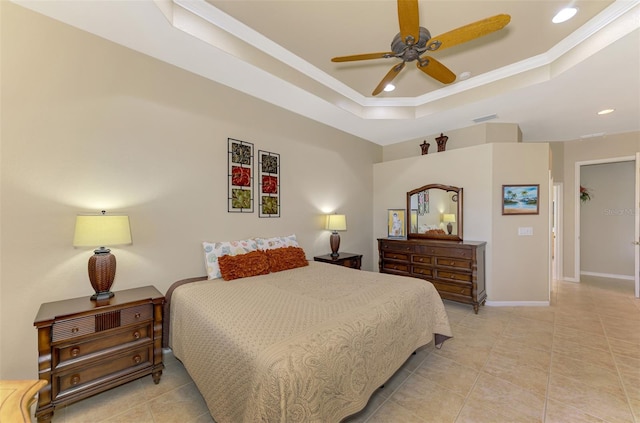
[423, 271]
[453, 276]
[392, 255]
[395, 246]
[67, 382]
[422, 259]
[447, 252]
[137, 314]
[69, 353]
[73, 328]
[453, 289]
[453, 262]
[394, 266]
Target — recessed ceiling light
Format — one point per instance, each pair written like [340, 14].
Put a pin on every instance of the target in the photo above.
[606, 111]
[389, 87]
[564, 15]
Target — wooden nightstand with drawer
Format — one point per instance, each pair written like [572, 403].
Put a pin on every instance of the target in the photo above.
[353, 261]
[86, 347]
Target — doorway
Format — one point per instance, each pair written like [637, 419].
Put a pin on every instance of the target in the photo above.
[608, 219]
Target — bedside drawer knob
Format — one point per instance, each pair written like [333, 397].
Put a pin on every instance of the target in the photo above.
[74, 330]
[136, 335]
[137, 315]
[75, 351]
[137, 359]
[75, 379]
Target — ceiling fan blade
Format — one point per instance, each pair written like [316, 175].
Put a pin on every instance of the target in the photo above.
[367, 56]
[468, 32]
[409, 19]
[436, 70]
[388, 78]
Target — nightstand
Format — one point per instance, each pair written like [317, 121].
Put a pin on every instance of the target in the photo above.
[353, 261]
[86, 347]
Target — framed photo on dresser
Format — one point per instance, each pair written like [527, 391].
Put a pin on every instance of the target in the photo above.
[396, 223]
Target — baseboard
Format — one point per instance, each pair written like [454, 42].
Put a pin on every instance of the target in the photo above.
[608, 275]
[566, 279]
[518, 303]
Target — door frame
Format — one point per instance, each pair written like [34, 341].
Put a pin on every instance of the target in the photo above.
[576, 260]
[556, 226]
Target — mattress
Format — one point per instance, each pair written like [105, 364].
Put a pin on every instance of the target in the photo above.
[309, 344]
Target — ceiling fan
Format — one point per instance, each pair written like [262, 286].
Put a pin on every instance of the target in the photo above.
[414, 40]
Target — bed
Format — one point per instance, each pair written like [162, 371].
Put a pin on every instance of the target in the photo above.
[309, 344]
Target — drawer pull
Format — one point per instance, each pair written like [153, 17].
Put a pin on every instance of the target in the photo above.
[74, 330]
[75, 379]
[137, 315]
[137, 359]
[136, 335]
[75, 351]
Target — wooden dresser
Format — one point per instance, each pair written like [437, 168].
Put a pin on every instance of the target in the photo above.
[86, 347]
[456, 269]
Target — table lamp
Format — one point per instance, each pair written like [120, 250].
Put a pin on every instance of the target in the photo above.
[449, 218]
[335, 223]
[101, 230]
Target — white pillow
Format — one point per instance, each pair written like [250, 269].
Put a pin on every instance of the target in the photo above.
[215, 250]
[276, 242]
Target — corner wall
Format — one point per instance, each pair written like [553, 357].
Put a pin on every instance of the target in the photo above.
[517, 266]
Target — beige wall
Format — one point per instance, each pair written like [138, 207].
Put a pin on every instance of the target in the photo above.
[90, 125]
[517, 268]
[460, 138]
[609, 147]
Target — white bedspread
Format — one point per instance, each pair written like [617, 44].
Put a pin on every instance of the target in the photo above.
[303, 345]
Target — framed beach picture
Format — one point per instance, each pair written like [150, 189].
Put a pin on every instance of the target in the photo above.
[520, 199]
[396, 223]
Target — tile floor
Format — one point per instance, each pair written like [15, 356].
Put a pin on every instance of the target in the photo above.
[575, 361]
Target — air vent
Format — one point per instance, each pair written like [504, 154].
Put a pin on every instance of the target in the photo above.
[485, 118]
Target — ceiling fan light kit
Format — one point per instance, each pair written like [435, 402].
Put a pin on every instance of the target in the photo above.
[414, 40]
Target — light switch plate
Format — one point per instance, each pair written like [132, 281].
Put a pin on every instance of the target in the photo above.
[525, 231]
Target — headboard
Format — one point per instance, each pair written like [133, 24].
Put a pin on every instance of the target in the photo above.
[167, 307]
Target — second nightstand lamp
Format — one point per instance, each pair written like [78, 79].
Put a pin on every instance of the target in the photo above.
[335, 223]
[101, 230]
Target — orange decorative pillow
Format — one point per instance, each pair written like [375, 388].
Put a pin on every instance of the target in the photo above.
[243, 265]
[286, 258]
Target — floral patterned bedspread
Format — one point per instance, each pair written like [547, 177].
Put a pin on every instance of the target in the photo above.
[303, 345]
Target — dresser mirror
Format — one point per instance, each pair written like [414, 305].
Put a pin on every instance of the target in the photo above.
[435, 212]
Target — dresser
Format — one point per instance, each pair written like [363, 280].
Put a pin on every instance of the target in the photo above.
[456, 268]
[354, 261]
[86, 347]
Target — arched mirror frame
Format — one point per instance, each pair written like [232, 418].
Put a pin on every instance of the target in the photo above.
[448, 188]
